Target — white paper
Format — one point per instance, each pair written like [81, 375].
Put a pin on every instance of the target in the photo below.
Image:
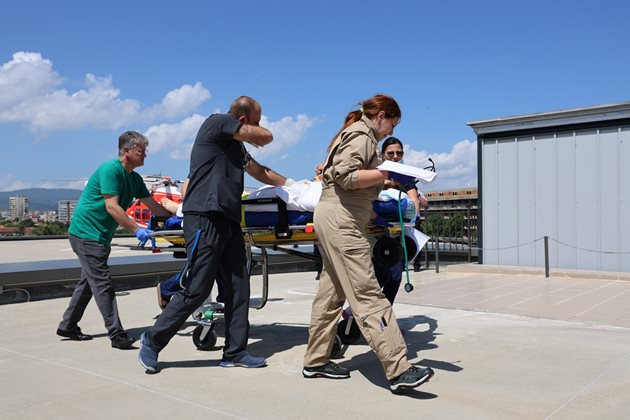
[420, 238]
[421, 175]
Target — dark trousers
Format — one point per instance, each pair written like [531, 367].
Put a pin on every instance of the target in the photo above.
[389, 279]
[179, 282]
[219, 253]
[95, 280]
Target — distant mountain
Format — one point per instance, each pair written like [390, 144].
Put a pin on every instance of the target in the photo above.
[40, 199]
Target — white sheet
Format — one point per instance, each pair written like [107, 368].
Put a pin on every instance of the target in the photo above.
[389, 194]
[300, 196]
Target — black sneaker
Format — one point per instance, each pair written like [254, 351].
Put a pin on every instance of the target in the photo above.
[74, 335]
[123, 342]
[411, 378]
[329, 370]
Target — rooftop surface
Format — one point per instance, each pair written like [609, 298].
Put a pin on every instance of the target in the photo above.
[503, 346]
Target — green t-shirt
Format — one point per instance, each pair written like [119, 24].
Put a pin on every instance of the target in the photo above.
[90, 219]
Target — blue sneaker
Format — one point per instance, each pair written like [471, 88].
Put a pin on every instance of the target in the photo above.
[246, 361]
[147, 356]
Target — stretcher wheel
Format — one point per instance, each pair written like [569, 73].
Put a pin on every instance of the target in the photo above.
[335, 353]
[387, 251]
[408, 287]
[348, 335]
[206, 343]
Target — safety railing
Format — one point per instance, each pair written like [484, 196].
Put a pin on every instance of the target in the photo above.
[453, 231]
[545, 239]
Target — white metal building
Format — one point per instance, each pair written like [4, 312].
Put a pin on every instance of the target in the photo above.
[565, 175]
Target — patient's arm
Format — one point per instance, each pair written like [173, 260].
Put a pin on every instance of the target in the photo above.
[184, 187]
[169, 205]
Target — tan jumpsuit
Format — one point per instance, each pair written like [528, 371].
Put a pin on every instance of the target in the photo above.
[341, 218]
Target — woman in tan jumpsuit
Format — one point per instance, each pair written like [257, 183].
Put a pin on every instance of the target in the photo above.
[350, 183]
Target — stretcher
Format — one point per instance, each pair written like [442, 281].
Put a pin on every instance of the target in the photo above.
[286, 238]
[282, 236]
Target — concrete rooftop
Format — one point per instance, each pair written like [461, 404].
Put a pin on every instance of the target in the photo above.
[503, 346]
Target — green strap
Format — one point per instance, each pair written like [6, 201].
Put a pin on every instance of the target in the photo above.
[402, 236]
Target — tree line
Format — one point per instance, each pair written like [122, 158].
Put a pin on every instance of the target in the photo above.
[442, 225]
[28, 226]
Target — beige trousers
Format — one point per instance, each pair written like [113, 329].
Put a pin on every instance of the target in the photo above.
[348, 273]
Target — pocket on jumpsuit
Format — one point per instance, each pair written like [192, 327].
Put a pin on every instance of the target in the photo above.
[388, 341]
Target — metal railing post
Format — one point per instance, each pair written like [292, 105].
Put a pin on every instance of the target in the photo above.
[546, 256]
[426, 230]
[468, 232]
[437, 254]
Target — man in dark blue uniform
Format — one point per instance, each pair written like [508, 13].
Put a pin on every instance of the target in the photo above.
[214, 240]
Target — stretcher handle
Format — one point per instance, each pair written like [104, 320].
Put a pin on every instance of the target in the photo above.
[282, 230]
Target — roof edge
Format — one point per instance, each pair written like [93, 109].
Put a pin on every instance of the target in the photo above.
[552, 118]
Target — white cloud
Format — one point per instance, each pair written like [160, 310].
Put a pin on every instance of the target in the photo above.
[287, 132]
[75, 184]
[30, 94]
[181, 101]
[8, 183]
[177, 137]
[25, 76]
[455, 169]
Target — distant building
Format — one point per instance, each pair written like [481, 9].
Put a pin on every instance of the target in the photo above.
[18, 207]
[52, 216]
[452, 202]
[455, 198]
[65, 210]
[562, 175]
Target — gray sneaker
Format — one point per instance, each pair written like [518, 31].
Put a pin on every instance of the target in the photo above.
[329, 370]
[411, 378]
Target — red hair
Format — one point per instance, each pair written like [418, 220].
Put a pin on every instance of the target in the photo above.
[369, 108]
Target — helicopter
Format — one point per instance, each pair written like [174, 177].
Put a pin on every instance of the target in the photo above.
[160, 187]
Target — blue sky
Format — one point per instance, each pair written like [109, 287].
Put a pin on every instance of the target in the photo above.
[75, 74]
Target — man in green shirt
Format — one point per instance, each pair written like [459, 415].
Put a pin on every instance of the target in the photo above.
[101, 209]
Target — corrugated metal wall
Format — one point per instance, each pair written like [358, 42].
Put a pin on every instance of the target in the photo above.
[571, 186]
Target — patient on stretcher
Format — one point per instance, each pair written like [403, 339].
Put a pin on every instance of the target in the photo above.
[301, 198]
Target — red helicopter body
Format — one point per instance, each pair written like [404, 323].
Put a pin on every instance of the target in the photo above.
[160, 187]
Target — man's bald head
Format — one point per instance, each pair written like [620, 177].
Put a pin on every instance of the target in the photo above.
[243, 106]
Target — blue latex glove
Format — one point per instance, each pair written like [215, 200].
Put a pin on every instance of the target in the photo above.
[400, 178]
[143, 234]
[173, 222]
[379, 221]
